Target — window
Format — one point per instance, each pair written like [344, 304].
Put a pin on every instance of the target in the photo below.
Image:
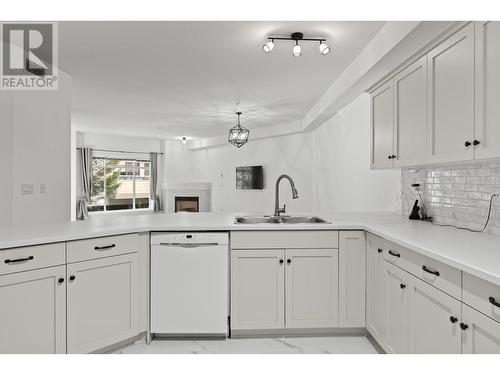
[119, 184]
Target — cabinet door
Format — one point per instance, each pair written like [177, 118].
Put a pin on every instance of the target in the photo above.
[433, 320]
[375, 289]
[481, 334]
[451, 98]
[397, 309]
[410, 115]
[312, 288]
[33, 311]
[382, 112]
[487, 90]
[102, 302]
[257, 289]
[352, 279]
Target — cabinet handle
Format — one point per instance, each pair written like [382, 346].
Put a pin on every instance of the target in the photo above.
[463, 326]
[19, 260]
[467, 144]
[493, 302]
[476, 142]
[61, 280]
[379, 250]
[99, 248]
[453, 319]
[394, 254]
[289, 261]
[391, 157]
[424, 268]
[72, 277]
[402, 286]
[281, 261]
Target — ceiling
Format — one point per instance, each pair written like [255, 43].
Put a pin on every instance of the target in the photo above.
[173, 79]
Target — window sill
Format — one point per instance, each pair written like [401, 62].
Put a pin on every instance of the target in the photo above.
[121, 212]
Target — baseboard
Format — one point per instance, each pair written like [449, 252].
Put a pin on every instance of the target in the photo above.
[299, 332]
[121, 344]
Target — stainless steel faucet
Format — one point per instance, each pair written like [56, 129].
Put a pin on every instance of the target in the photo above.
[295, 194]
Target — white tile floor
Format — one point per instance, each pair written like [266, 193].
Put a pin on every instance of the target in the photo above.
[289, 345]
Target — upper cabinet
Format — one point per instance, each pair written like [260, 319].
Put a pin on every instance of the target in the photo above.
[443, 105]
[487, 129]
[451, 98]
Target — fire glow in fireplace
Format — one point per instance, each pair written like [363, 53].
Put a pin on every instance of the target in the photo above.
[186, 204]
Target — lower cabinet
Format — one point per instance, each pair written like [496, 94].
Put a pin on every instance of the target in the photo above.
[102, 302]
[397, 309]
[33, 311]
[259, 279]
[481, 334]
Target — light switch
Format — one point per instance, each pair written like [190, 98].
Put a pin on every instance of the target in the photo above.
[27, 189]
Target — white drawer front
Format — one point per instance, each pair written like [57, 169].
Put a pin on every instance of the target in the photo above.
[101, 247]
[482, 296]
[31, 257]
[433, 272]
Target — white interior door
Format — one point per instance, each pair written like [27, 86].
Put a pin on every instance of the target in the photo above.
[481, 334]
[410, 114]
[487, 127]
[102, 302]
[397, 309]
[382, 113]
[33, 312]
[312, 288]
[451, 98]
[433, 320]
[257, 289]
[376, 306]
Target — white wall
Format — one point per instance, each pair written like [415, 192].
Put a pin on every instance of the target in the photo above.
[291, 154]
[343, 179]
[5, 158]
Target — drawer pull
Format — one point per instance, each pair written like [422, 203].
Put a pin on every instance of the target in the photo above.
[100, 248]
[394, 254]
[493, 302]
[19, 260]
[424, 268]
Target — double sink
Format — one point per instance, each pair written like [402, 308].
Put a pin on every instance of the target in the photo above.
[279, 220]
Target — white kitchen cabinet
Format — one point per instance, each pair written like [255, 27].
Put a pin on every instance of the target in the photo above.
[352, 271]
[481, 334]
[410, 114]
[382, 120]
[434, 320]
[487, 129]
[397, 309]
[257, 289]
[33, 311]
[102, 302]
[311, 288]
[376, 322]
[450, 106]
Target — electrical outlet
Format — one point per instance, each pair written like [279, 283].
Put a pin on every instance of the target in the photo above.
[43, 189]
[27, 189]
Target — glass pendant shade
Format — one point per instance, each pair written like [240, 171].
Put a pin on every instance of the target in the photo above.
[238, 135]
[297, 50]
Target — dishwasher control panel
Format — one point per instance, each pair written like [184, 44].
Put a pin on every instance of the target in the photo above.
[220, 238]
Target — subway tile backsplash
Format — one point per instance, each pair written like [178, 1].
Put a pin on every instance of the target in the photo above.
[457, 194]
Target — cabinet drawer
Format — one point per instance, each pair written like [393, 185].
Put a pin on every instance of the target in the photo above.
[285, 239]
[101, 247]
[433, 272]
[482, 295]
[31, 257]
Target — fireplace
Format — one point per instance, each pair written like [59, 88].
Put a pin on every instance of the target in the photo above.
[187, 204]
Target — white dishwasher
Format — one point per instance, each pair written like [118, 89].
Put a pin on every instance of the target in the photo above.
[189, 284]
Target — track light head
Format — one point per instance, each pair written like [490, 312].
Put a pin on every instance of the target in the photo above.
[184, 140]
[323, 48]
[297, 50]
[268, 47]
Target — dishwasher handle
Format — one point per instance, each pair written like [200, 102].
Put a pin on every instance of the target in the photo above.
[188, 245]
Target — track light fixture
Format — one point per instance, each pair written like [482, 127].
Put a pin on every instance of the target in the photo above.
[297, 48]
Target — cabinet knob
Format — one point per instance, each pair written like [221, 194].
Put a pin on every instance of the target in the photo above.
[72, 277]
[453, 319]
[289, 261]
[379, 250]
[402, 286]
[476, 142]
[61, 280]
[463, 326]
[467, 144]
[281, 261]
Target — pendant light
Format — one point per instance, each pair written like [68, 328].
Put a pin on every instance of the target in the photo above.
[238, 135]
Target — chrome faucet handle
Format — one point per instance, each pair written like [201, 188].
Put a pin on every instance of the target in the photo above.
[281, 210]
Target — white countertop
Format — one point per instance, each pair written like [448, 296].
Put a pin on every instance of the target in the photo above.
[475, 253]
